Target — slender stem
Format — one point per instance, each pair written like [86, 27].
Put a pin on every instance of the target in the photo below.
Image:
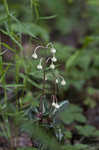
[44, 81]
[49, 58]
[55, 87]
[44, 75]
[38, 48]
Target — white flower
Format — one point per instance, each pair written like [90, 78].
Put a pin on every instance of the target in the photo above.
[39, 66]
[57, 106]
[56, 81]
[54, 59]
[53, 50]
[63, 82]
[52, 66]
[34, 55]
[54, 104]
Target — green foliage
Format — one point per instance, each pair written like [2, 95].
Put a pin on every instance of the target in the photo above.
[86, 130]
[30, 29]
[20, 103]
[73, 113]
[76, 147]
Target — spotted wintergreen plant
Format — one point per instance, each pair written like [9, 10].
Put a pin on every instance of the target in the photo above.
[48, 108]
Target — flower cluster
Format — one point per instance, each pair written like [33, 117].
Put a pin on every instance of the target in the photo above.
[63, 82]
[42, 66]
[55, 104]
[53, 60]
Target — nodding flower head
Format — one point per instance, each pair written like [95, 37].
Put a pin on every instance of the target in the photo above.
[34, 55]
[53, 50]
[55, 104]
[54, 59]
[39, 66]
[63, 82]
[52, 66]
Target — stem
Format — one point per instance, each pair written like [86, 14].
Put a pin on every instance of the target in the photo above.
[38, 48]
[44, 81]
[44, 75]
[55, 87]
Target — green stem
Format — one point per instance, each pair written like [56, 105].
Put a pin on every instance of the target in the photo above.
[44, 81]
[55, 87]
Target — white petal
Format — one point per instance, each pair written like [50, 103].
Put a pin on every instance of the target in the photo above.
[54, 59]
[52, 66]
[63, 82]
[53, 50]
[54, 104]
[34, 55]
[57, 106]
[39, 66]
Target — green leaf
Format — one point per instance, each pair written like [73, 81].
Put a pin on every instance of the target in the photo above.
[86, 130]
[30, 29]
[71, 61]
[6, 6]
[3, 19]
[76, 147]
[7, 46]
[72, 113]
[12, 37]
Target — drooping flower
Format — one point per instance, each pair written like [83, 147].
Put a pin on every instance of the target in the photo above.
[57, 106]
[34, 55]
[52, 66]
[54, 59]
[63, 82]
[39, 66]
[54, 104]
[53, 50]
